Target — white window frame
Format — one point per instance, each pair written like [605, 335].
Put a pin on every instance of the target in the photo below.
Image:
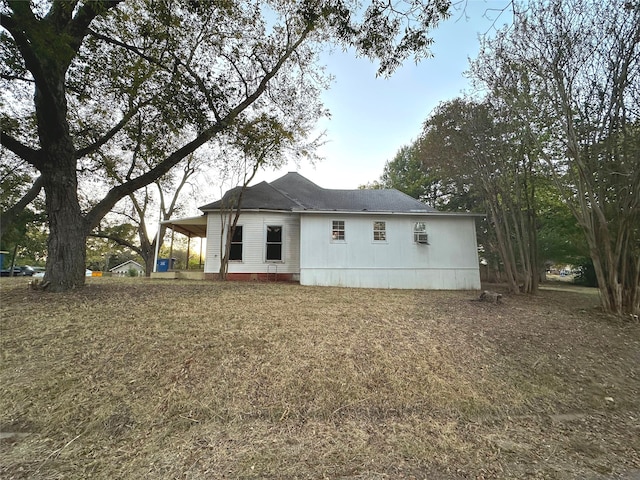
[267, 243]
[380, 232]
[419, 227]
[334, 229]
[241, 243]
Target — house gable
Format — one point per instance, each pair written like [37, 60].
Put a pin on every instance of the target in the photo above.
[124, 268]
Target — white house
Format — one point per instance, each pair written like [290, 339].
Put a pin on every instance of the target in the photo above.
[124, 268]
[292, 229]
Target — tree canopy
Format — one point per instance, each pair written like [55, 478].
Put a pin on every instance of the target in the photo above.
[574, 74]
[551, 144]
[79, 76]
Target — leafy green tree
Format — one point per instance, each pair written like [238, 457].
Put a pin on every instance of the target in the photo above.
[482, 146]
[200, 66]
[577, 66]
[412, 173]
[103, 254]
[405, 173]
[111, 245]
[560, 238]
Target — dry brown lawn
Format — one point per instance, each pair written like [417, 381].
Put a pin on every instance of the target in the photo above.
[140, 379]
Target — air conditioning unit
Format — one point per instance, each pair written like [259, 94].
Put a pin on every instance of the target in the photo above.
[422, 238]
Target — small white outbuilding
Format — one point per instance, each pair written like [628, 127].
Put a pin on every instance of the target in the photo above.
[123, 269]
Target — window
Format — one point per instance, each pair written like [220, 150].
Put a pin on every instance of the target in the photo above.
[379, 232]
[274, 243]
[337, 230]
[235, 251]
[420, 233]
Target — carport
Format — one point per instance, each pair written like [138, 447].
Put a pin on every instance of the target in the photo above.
[191, 227]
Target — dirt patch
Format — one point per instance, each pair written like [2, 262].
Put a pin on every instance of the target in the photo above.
[130, 378]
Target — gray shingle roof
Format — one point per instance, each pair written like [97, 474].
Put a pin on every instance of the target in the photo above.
[295, 192]
[260, 196]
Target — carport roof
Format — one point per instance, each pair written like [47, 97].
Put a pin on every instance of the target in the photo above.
[191, 226]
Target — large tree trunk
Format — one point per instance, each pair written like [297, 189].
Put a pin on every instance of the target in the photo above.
[65, 268]
[148, 265]
[66, 258]
[148, 251]
[48, 45]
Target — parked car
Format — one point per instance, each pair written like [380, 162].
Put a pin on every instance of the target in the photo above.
[22, 271]
[40, 273]
[27, 271]
[6, 272]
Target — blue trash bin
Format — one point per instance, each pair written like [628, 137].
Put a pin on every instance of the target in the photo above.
[163, 265]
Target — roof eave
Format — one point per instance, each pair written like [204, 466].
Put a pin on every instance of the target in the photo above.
[392, 212]
[243, 210]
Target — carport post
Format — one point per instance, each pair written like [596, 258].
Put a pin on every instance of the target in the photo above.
[171, 248]
[155, 258]
[188, 248]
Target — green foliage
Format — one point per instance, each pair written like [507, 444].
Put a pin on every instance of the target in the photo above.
[560, 238]
[414, 172]
[125, 231]
[586, 273]
[104, 254]
[405, 173]
[128, 90]
[26, 231]
[573, 68]
[456, 136]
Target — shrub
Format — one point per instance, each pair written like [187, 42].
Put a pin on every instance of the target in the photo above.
[586, 274]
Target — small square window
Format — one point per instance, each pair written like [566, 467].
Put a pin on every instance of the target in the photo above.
[379, 232]
[337, 230]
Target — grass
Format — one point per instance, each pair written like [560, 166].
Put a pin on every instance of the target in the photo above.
[131, 378]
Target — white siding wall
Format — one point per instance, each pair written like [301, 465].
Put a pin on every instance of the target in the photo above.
[254, 243]
[450, 261]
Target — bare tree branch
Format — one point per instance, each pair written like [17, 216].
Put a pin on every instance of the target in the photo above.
[117, 240]
[115, 194]
[112, 132]
[28, 154]
[9, 216]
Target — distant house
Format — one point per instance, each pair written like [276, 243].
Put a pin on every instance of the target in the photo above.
[124, 268]
[292, 229]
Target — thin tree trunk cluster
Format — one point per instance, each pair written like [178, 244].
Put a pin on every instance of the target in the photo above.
[507, 177]
[604, 168]
[513, 220]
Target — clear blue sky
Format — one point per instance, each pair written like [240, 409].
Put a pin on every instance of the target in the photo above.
[371, 118]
